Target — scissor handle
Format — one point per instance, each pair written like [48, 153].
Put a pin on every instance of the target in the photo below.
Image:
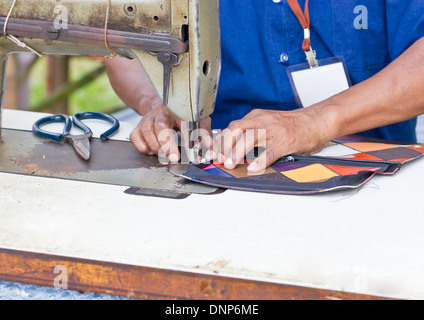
[99, 116]
[36, 128]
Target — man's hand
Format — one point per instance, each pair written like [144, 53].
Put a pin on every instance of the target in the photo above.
[145, 136]
[156, 133]
[280, 132]
[393, 95]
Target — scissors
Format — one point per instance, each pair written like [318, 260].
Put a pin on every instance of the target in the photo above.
[81, 143]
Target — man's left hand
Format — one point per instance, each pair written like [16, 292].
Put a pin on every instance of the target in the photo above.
[281, 133]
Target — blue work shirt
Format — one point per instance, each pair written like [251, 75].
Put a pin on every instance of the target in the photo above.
[256, 34]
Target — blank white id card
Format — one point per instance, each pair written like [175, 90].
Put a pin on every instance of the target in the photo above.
[313, 85]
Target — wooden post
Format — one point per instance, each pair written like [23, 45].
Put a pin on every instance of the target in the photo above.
[57, 76]
[3, 60]
[11, 99]
[25, 62]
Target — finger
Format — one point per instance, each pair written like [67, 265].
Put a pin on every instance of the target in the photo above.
[215, 152]
[209, 151]
[228, 141]
[149, 136]
[267, 158]
[168, 140]
[235, 130]
[215, 146]
[243, 146]
[137, 140]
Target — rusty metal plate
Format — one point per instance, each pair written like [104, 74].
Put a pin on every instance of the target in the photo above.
[111, 162]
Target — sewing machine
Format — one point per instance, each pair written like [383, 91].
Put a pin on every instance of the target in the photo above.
[332, 246]
[177, 42]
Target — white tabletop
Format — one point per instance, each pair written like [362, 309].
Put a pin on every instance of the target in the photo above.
[367, 241]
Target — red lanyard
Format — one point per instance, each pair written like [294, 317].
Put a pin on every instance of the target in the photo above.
[304, 21]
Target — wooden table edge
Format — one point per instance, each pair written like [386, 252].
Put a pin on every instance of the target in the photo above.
[149, 283]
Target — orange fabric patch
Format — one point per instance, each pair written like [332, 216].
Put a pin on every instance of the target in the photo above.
[218, 165]
[419, 149]
[346, 171]
[312, 173]
[368, 147]
[362, 156]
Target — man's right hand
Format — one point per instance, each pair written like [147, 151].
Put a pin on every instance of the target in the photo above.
[145, 136]
[156, 133]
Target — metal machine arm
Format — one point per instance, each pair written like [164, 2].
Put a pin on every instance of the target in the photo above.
[176, 41]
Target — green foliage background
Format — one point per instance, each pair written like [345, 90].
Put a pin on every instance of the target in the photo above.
[96, 96]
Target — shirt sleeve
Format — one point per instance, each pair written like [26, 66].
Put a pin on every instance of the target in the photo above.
[405, 24]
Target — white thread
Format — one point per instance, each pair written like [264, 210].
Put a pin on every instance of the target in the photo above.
[307, 33]
[113, 52]
[13, 38]
[8, 16]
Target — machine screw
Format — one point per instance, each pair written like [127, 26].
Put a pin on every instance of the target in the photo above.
[53, 33]
[130, 9]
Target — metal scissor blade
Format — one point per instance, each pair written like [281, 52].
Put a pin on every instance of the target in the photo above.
[81, 145]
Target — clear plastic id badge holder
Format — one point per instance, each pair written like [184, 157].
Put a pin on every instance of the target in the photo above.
[313, 85]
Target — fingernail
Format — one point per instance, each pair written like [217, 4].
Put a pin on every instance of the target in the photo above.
[252, 167]
[228, 163]
[173, 158]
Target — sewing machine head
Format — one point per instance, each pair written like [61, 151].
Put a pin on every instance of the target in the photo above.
[176, 41]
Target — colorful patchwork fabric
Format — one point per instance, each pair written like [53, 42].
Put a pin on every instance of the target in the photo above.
[346, 163]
